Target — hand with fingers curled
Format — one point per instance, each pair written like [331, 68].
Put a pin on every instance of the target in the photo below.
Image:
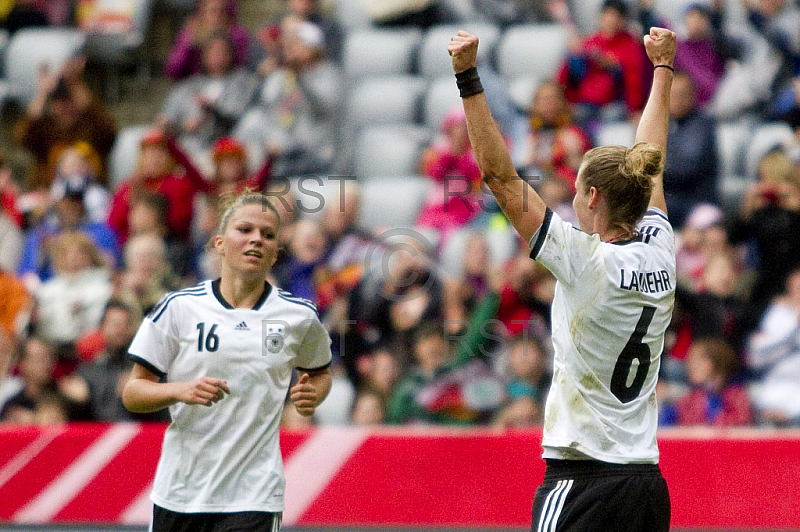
[203, 391]
[463, 48]
[660, 45]
[305, 396]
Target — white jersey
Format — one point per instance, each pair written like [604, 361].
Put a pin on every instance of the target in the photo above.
[226, 458]
[613, 303]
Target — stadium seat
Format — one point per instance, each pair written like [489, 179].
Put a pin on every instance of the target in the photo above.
[32, 47]
[440, 98]
[352, 14]
[616, 133]
[384, 100]
[765, 138]
[732, 137]
[5, 37]
[585, 14]
[392, 202]
[673, 11]
[124, 154]
[116, 49]
[521, 91]
[388, 150]
[372, 52]
[730, 190]
[433, 59]
[531, 50]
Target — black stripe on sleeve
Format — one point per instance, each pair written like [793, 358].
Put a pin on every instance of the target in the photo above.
[537, 246]
[655, 212]
[312, 370]
[147, 365]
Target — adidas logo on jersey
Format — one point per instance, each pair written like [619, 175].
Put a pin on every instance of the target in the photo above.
[241, 327]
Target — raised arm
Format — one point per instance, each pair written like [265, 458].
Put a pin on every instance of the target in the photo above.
[521, 204]
[660, 47]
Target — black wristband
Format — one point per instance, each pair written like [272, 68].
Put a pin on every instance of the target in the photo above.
[664, 66]
[469, 82]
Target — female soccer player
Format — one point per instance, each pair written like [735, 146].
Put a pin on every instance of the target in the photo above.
[613, 301]
[220, 355]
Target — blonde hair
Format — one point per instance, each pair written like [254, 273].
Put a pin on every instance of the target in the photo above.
[151, 244]
[58, 248]
[227, 205]
[625, 178]
[776, 167]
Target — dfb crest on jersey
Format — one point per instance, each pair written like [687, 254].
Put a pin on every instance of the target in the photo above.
[274, 337]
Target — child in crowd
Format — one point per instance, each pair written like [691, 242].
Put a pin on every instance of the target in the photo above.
[715, 399]
[369, 409]
[451, 164]
[77, 169]
[300, 273]
[72, 302]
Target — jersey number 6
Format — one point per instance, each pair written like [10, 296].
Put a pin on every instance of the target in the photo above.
[633, 350]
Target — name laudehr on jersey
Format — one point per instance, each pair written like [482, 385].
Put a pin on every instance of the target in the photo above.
[612, 305]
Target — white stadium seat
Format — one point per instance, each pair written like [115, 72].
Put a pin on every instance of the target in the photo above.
[372, 52]
[389, 150]
[433, 59]
[32, 47]
[531, 49]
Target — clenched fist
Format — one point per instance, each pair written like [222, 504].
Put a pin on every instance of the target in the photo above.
[660, 46]
[463, 48]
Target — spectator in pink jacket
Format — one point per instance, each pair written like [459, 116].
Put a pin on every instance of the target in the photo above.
[210, 16]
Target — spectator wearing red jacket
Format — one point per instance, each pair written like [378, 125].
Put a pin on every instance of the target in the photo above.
[155, 172]
[607, 67]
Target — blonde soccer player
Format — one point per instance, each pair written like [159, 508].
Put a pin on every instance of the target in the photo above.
[220, 356]
[613, 301]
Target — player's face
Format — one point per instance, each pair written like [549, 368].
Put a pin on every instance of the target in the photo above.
[250, 242]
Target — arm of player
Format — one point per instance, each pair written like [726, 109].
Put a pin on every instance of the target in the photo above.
[143, 393]
[311, 389]
[521, 204]
[653, 126]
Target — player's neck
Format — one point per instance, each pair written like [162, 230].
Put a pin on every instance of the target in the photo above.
[615, 234]
[241, 292]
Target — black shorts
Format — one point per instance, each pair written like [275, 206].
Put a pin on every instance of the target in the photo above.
[593, 496]
[168, 521]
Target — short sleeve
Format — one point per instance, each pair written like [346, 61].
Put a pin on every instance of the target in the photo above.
[315, 347]
[156, 343]
[655, 230]
[562, 248]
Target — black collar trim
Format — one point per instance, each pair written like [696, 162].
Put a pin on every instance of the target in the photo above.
[215, 284]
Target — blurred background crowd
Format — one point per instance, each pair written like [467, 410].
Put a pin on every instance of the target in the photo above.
[125, 121]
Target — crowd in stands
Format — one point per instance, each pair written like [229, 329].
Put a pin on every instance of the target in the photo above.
[444, 321]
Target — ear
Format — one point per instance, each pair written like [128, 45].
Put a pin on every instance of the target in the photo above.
[218, 242]
[594, 198]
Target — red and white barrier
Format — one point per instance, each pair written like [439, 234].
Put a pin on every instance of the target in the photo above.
[96, 473]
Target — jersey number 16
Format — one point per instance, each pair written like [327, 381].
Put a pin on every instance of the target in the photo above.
[210, 341]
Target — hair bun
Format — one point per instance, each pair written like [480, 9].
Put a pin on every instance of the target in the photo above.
[642, 161]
